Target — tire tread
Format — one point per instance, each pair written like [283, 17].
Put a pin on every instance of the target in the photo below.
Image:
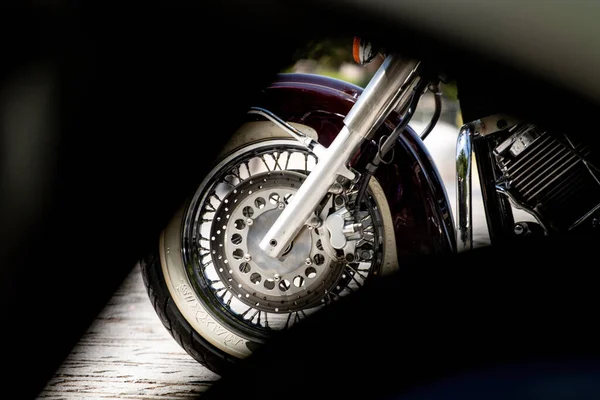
[174, 322]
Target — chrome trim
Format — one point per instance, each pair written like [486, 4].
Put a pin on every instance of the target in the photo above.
[330, 164]
[335, 224]
[495, 123]
[384, 92]
[300, 136]
[501, 189]
[379, 98]
[464, 212]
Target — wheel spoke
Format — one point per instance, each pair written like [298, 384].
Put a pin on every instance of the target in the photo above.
[236, 172]
[256, 316]
[306, 163]
[265, 162]
[333, 296]
[202, 255]
[224, 293]
[357, 272]
[287, 323]
[347, 288]
[225, 180]
[208, 207]
[247, 165]
[206, 264]
[356, 280]
[238, 199]
[246, 312]
[276, 159]
[287, 161]
[216, 196]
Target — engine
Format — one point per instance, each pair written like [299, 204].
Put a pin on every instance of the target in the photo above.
[554, 175]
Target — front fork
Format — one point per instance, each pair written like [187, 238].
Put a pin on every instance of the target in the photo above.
[389, 89]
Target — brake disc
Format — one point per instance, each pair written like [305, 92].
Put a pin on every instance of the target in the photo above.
[304, 273]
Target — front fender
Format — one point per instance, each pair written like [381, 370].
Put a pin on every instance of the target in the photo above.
[421, 213]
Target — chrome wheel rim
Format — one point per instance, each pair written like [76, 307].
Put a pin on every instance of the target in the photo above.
[243, 288]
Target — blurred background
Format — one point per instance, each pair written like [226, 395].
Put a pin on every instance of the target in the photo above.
[333, 57]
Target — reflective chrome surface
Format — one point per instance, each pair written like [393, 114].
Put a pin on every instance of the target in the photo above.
[496, 122]
[379, 97]
[222, 226]
[300, 136]
[514, 202]
[305, 97]
[464, 211]
[316, 185]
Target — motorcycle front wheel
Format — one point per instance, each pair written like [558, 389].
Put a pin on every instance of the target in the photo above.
[215, 291]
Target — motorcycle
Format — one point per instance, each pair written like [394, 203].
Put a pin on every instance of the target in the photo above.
[327, 187]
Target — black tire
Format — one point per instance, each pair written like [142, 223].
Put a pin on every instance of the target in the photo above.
[183, 333]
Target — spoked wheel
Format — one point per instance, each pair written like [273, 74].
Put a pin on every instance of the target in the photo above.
[218, 293]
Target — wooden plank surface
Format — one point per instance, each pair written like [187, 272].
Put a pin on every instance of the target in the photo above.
[128, 354]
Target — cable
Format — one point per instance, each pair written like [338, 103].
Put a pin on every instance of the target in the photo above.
[387, 145]
[437, 98]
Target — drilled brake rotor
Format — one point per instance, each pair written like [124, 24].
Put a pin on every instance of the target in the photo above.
[299, 279]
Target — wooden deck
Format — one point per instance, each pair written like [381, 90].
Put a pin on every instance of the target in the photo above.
[128, 354]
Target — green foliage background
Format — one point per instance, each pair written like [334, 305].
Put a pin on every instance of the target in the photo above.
[330, 53]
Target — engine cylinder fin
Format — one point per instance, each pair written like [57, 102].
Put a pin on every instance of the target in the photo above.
[562, 190]
[564, 164]
[552, 179]
[542, 156]
[527, 155]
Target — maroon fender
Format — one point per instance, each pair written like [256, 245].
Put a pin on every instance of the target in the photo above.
[421, 213]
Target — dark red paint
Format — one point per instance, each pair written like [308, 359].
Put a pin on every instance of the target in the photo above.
[415, 192]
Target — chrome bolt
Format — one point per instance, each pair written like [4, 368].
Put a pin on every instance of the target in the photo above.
[315, 222]
[247, 257]
[336, 188]
[249, 221]
[308, 261]
[366, 255]
[276, 277]
[518, 229]
[281, 205]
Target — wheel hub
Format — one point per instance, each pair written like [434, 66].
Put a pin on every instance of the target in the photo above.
[297, 280]
[295, 254]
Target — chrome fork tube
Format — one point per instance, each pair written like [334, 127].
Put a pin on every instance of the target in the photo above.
[379, 98]
[464, 200]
